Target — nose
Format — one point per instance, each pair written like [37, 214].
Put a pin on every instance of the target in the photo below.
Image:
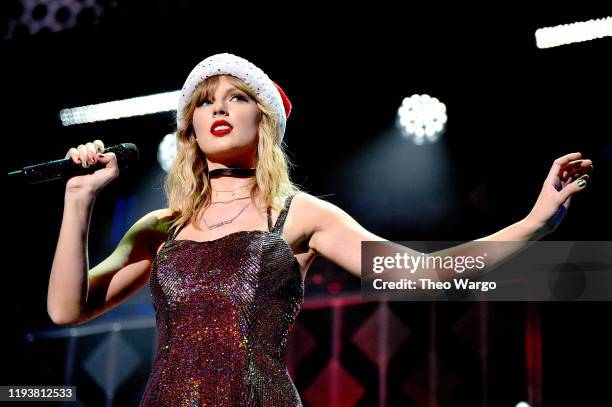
[219, 109]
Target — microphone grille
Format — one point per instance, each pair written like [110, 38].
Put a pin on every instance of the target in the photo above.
[127, 153]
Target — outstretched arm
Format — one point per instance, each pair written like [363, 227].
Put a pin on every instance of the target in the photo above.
[337, 236]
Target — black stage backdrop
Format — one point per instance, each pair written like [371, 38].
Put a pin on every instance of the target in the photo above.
[513, 109]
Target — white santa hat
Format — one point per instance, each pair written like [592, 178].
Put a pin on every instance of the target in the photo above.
[255, 78]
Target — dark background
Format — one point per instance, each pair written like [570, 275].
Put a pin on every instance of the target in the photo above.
[513, 109]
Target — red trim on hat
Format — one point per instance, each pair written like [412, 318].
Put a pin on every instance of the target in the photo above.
[286, 102]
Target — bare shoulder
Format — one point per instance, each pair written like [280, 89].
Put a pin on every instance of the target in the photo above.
[161, 219]
[306, 201]
[312, 206]
[303, 205]
[313, 211]
[156, 220]
[151, 229]
[298, 228]
[325, 225]
[162, 216]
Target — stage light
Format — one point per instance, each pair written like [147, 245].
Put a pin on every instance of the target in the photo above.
[548, 37]
[31, 17]
[422, 118]
[522, 404]
[139, 106]
[166, 152]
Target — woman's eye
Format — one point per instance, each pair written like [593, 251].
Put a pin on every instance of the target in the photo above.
[208, 102]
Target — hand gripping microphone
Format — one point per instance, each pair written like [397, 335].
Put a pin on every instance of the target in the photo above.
[127, 155]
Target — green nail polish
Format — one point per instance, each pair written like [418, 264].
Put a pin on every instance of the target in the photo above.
[100, 149]
[581, 182]
[85, 164]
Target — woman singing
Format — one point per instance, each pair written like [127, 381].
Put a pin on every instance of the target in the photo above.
[226, 260]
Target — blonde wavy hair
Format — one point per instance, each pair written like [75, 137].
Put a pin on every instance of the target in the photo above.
[187, 186]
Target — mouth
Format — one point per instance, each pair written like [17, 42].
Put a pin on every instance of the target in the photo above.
[221, 128]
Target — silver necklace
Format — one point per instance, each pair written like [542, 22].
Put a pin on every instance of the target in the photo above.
[231, 200]
[224, 222]
[233, 191]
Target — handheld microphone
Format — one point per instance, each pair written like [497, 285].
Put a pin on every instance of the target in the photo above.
[127, 155]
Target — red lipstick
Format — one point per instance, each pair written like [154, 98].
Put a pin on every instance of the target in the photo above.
[217, 130]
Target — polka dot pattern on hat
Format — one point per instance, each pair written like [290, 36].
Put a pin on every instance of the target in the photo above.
[229, 64]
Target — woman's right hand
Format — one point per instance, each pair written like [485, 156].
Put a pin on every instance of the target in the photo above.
[87, 155]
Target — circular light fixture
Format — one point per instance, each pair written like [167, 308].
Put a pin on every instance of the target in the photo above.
[422, 118]
[166, 152]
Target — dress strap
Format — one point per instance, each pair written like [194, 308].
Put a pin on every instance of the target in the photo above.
[269, 219]
[282, 216]
[174, 231]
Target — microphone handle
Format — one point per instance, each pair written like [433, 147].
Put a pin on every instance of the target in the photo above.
[65, 168]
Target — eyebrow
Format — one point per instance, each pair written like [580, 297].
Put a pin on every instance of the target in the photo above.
[232, 89]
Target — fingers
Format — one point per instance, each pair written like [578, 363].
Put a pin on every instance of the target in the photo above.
[74, 154]
[576, 169]
[83, 155]
[92, 154]
[577, 165]
[574, 187]
[86, 154]
[99, 146]
[555, 170]
[568, 168]
[583, 163]
[107, 157]
[110, 162]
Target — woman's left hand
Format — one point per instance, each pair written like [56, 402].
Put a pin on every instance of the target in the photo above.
[567, 176]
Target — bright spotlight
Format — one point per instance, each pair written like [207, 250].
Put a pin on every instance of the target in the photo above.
[548, 37]
[422, 118]
[522, 404]
[166, 152]
[139, 106]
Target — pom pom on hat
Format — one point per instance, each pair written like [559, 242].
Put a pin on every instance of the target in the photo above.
[229, 64]
[286, 102]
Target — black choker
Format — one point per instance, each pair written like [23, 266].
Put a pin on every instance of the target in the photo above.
[239, 172]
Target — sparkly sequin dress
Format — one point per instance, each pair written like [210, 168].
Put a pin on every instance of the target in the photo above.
[224, 309]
